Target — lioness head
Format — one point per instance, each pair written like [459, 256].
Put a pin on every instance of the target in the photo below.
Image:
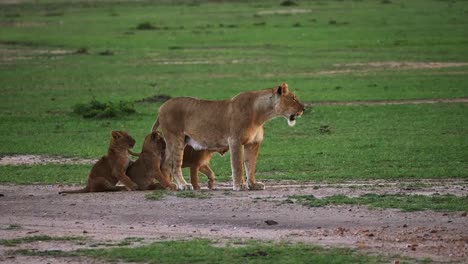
[287, 104]
[155, 143]
[122, 138]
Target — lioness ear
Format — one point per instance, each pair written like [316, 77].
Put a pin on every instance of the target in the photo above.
[155, 134]
[283, 89]
[115, 134]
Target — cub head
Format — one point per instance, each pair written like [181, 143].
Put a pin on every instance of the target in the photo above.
[154, 142]
[287, 104]
[122, 139]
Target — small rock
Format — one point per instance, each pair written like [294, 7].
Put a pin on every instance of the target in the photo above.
[433, 231]
[463, 214]
[405, 225]
[271, 222]
[85, 232]
[131, 227]
[1, 195]
[73, 204]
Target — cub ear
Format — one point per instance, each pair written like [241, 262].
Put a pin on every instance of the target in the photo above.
[283, 89]
[116, 134]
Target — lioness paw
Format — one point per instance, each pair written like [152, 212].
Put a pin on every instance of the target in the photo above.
[185, 187]
[240, 187]
[257, 186]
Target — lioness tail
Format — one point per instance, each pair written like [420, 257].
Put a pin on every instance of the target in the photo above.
[84, 190]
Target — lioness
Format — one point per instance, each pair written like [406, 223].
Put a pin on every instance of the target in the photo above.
[146, 169]
[111, 168]
[199, 160]
[236, 123]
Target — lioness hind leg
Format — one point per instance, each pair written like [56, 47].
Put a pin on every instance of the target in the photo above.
[174, 157]
[205, 169]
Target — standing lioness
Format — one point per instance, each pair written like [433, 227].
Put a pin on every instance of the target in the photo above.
[236, 123]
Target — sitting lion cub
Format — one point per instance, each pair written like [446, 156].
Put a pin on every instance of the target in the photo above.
[146, 169]
[111, 168]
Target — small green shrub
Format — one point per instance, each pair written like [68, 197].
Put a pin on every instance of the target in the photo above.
[96, 109]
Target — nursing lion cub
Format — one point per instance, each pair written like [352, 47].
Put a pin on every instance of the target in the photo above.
[236, 124]
[145, 171]
[199, 160]
[111, 168]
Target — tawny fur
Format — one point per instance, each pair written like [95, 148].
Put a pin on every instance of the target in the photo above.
[199, 160]
[236, 124]
[111, 168]
[145, 171]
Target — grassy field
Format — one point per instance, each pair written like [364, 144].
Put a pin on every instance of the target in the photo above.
[407, 203]
[204, 251]
[56, 54]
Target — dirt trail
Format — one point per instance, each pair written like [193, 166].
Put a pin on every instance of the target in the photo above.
[112, 217]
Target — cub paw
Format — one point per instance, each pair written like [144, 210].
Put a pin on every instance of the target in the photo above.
[211, 185]
[240, 187]
[256, 186]
[172, 187]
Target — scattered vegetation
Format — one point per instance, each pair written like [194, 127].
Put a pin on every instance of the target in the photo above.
[289, 3]
[13, 227]
[97, 109]
[203, 251]
[407, 203]
[17, 241]
[145, 26]
[193, 194]
[156, 195]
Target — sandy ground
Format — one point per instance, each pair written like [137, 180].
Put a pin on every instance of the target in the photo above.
[108, 218]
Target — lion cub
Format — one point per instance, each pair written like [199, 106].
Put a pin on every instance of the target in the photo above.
[146, 169]
[111, 168]
[199, 160]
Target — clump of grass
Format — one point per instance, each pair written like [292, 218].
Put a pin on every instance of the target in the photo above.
[17, 241]
[159, 98]
[13, 227]
[325, 130]
[145, 26]
[97, 109]
[192, 194]
[407, 203]
[106, 53]
[288, 3]
[156, 195]
[82, 51]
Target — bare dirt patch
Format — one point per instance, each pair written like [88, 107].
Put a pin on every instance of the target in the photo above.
[111, 217]
[37, 159]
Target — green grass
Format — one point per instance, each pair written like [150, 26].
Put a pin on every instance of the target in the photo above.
[17, 241]
[203, 251]
[407, 203]
[45, 174]
[55, 54]
[193, 194]
[156, 195]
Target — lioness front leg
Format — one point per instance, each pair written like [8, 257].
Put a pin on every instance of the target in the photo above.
[250, 161]
[237, 153]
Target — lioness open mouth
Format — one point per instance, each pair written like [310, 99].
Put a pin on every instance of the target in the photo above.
[292, 120]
